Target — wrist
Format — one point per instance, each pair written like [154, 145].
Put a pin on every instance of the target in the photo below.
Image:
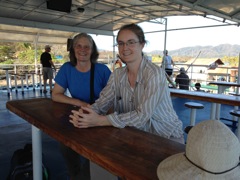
[103, 121]
[76, 102]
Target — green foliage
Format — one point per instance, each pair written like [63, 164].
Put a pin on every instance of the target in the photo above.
[22, 46]
[27, 56]
[156, 58]
[24, 53]
[6, 53]
[231, 61]
[9, 61]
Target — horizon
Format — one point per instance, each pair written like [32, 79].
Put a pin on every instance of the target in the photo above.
[185, 47]
[177, 39]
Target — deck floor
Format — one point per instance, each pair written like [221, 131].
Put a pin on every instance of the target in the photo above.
[16, 132]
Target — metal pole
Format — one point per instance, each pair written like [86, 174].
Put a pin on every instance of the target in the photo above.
[37, 153]
[114, 53]
[165, 43]
[238, 71]
[35, 44]
[165, 35]
[237, 91]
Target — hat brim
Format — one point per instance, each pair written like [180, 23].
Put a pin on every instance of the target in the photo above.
[177, 167]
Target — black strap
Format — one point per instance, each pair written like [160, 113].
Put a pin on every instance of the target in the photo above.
[211, 171]
[92, 84]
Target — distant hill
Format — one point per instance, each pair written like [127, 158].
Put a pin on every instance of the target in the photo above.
[206, 51]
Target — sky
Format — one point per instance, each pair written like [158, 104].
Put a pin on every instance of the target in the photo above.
[211, 36]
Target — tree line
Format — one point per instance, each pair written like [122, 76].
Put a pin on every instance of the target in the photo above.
[24, 53]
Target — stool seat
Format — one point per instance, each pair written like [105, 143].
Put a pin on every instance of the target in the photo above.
[194, 105]
[235, 113]
[234, 94]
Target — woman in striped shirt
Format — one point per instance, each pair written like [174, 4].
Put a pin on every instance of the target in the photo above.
[138, 93]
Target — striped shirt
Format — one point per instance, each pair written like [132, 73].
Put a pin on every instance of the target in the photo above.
[147, 107]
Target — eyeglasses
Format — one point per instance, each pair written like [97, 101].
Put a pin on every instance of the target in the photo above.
[130, 43]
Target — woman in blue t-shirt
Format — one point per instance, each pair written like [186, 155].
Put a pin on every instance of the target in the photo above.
[75, 76]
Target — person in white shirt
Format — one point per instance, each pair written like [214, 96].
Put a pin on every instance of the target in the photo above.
[138, 93]
[168, 63]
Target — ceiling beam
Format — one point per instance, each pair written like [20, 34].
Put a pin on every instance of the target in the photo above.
[208, 11]
[34, 24]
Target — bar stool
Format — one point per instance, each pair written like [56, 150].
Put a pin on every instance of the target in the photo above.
[39, 75]
[7, 78]
[26, 79]
[194, 106]
[22, 76]
[33, 79]
[234, 120]
[236, 113]
[234, 94]
[15, 81]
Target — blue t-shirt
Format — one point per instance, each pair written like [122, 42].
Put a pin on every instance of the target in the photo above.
[78, 83]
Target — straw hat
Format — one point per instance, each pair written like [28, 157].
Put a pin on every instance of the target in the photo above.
[211, 148]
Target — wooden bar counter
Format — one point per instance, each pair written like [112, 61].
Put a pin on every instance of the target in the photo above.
[208, 97]
[223, 85]
[127, 153]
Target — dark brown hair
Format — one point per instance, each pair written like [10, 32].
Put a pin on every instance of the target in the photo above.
[136, 30]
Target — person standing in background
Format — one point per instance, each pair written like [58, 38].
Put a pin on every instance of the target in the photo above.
[117, 64]
[182, 80]
[47, 64]
[168, 63]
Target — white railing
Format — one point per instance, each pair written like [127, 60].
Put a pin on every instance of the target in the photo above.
[203, 75]
[19, 69]
[196, 73]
